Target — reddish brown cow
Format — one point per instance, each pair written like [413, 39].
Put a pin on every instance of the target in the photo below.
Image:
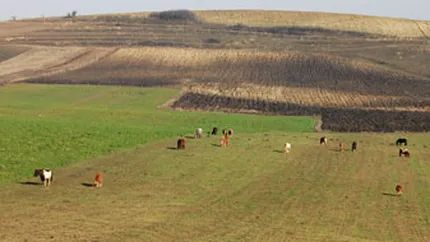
[399, 189]
[181, 143]
[224, 140]
[341, 146]
[98, 180]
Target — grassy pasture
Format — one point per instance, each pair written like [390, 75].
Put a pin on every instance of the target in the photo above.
[52, 126]
[246, 192]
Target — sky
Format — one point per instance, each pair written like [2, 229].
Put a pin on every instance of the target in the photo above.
[413, 9]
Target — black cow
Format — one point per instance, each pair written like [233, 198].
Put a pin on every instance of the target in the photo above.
[323, 140]
[215, 131]
[402, 141]
[354, 146]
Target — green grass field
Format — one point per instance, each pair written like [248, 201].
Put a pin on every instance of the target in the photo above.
[52, 126]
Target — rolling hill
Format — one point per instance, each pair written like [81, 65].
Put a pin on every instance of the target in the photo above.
[372, 71]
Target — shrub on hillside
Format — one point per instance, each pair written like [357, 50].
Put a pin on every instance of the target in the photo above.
[212, 41]
[171, 15]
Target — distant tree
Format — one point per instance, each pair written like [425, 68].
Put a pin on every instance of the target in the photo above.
[13, 18]
[72, 14]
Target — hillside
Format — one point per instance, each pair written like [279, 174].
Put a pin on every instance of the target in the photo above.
[372, 71]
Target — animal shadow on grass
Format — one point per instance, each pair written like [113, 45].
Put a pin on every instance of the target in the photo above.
[189, 137]
[87, 184]
[216, 145]
[278, 151]
[171, 148]
[389, 194]
[31, 183]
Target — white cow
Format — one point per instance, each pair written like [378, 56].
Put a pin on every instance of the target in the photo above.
[199, 133]
[287, 147]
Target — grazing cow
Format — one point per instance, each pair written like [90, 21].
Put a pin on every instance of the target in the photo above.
[215, 131]
[404, 152]
[98, 180]
[354, 146]
[399, 189]
[323, 140]
[287, 147]
[341, 146]
[224, 132]
[402, 141]
[181, 143]
[224, 140]
[230, 132]
[199, 133]
[45, 175]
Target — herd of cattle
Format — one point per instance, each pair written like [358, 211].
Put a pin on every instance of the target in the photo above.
[180, 144]
[46, 175]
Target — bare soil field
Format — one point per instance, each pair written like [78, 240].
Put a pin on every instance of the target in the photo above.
[317, 61]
